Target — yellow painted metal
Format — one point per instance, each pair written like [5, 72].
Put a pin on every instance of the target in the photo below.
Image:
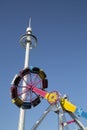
[41, 74]
[17, 101]
[52, 97]
[66, 105]
[46, 96]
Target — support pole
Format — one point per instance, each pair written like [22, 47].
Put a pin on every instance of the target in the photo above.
[81, 126]
[38, 122]
[28, 41]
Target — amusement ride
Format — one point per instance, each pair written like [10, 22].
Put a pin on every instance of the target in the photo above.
[29, 88]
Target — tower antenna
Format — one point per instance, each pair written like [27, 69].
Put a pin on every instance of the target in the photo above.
[30, 22]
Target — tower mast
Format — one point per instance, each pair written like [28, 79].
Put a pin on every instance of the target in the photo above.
[28, 41]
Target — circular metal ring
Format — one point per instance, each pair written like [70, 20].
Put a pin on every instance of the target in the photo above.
[30, 39]
[53, 97]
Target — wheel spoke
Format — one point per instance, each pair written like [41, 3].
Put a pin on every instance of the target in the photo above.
[23, 92]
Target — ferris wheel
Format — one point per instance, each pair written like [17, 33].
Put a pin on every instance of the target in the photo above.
[26, 95]
[29, 87]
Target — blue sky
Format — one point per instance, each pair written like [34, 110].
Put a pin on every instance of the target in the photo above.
[61, 30]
